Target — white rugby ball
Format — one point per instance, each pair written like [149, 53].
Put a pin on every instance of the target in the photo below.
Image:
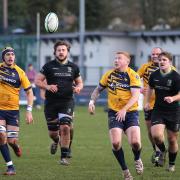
[51, 22]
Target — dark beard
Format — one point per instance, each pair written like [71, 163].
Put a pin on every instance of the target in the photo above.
[61, 60]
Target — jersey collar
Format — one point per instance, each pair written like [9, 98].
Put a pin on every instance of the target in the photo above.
[64, 63]
[12, 66]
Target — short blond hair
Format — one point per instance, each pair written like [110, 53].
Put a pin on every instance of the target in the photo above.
[126, 54]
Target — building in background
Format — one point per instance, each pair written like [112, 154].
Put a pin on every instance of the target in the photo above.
[99, 49]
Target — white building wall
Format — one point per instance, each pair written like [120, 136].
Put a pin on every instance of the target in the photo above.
[46, 50]
[99, 53]
[144, 47]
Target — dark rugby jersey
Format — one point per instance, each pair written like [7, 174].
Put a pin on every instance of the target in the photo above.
[168, 85]
[144, 72]
[63, 75]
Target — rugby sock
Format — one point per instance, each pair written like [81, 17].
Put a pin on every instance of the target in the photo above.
[157, 153]
[6, 155]
[161, 147]
[64, 152]
[120, 158]
[136, 154]
[154, 147]
[172, 158]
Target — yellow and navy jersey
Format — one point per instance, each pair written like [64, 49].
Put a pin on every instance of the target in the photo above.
[11, 80]
[144, 72]
[119, 86]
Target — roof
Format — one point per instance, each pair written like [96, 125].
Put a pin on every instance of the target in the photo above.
[99, 34]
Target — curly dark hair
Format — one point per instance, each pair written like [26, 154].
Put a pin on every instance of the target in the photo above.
[60, 43]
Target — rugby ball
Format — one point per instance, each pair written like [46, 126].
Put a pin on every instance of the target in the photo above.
[51, 22]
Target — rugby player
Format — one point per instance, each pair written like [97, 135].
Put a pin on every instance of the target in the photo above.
[12, 78]
[60, 74]
[123, 86]
[144, 72]
[166, 112]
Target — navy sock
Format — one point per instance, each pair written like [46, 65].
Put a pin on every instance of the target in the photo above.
[5, 152]
[157, 153]
[136, 154]
[120, 158]
[172, 158]
[64, 152]
[161, 147]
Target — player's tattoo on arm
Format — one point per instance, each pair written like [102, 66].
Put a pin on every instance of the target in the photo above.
[95, 94]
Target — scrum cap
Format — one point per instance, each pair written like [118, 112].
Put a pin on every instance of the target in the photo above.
[6, 50]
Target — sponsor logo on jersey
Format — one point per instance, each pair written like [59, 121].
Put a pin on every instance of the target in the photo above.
[169, 82]
[69, 69]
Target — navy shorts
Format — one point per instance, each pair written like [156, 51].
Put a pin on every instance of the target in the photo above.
[147, 115]
[131, 119]
[170, 119]
[10, 116]
[52, 110]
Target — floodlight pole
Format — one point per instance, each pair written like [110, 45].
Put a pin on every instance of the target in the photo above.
[38, 40]
[81, 35]
[5, 16]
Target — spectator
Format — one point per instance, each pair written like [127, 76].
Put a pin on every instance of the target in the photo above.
[31, 74]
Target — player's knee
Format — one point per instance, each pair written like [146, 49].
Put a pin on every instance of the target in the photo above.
[157, 139]
[116, 145]
[172, 141]
[3, 137]
[136, 145]
[65, 129]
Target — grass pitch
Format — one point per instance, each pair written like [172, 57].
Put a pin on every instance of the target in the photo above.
[91, 150]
